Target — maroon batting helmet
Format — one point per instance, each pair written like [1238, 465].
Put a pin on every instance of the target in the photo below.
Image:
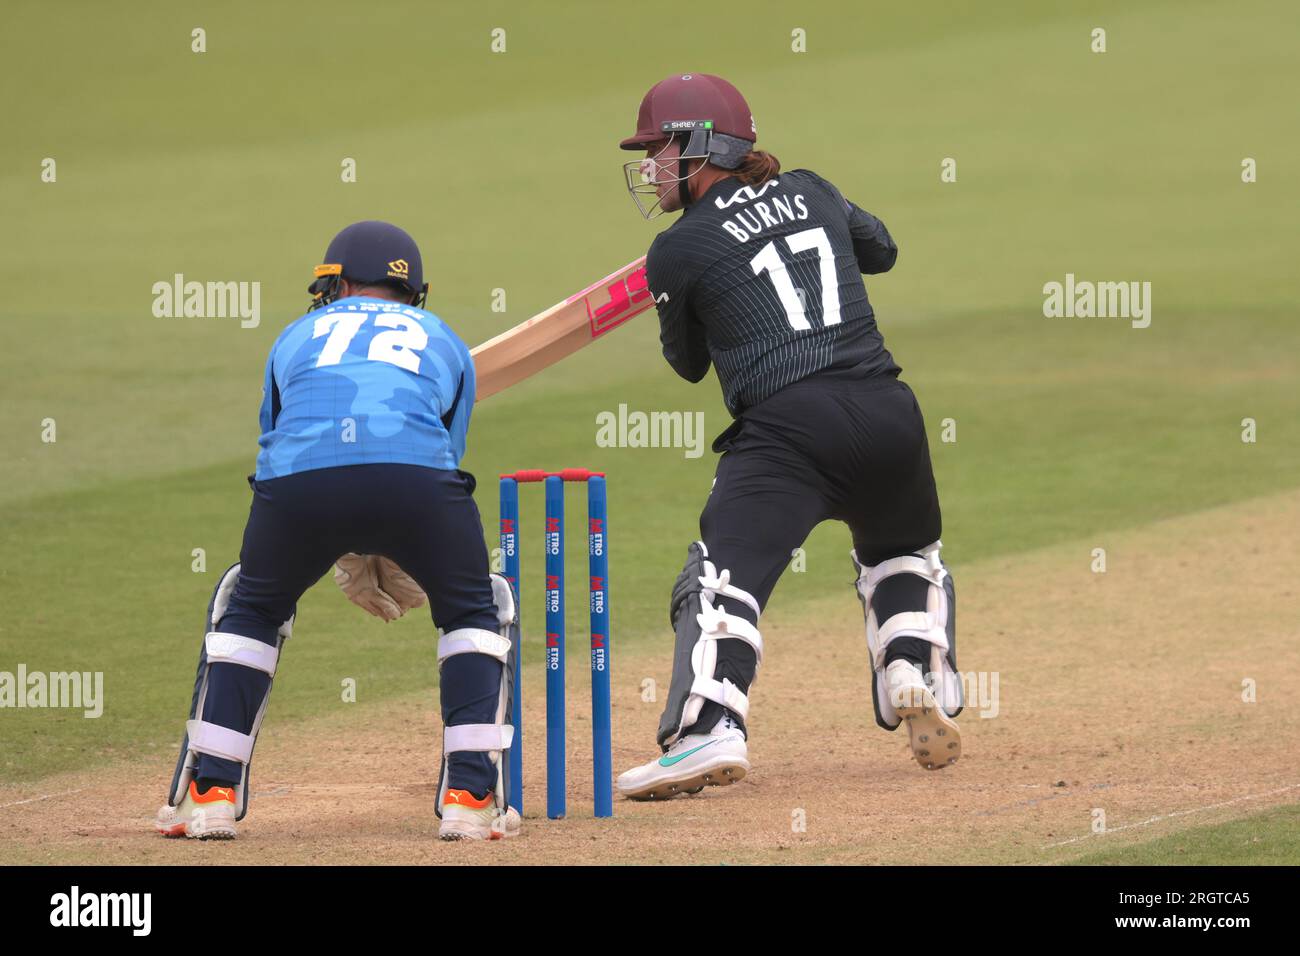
[710, 116]
[690, 101]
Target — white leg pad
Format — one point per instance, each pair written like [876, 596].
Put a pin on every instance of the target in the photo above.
[494, 738]
[722, 692]
[718, 584]
[478, 737]
[504, 598]
[220, 647]
[716, 624]
[920, 624]
[929, 625]
[218, 741]
[472, 640]
[225, 648]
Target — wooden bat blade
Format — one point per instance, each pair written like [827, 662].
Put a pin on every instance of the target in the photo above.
[561, 330]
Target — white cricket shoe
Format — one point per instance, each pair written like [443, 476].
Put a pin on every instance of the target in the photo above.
[200, 816]
[464, 817]
[935, 737]
[715, 759]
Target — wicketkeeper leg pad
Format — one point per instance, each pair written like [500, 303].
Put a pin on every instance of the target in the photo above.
[203, 737]
[700, 620]
[495, 738]
[924, 609]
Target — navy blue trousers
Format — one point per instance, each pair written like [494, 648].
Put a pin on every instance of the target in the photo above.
[425, 519]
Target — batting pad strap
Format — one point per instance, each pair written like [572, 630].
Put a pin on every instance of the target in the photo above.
[473, 640]
[907, 564]
[910, 624]
[480, 737]
[218, 741]
[717, 583]
[223, 648]
[722, 692]
[717, 624]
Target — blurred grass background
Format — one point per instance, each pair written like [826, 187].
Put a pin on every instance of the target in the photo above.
[225, 166]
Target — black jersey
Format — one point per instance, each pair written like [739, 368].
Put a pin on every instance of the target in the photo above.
[765, 283]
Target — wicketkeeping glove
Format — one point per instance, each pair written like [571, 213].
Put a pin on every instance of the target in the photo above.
[378, 585]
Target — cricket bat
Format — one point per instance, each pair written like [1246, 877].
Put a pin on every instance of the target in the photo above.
[561, 330]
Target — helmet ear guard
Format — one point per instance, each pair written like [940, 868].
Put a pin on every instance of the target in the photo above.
[728, 152]
[714, 148]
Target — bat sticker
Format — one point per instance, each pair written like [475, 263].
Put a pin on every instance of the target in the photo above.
[627, 297]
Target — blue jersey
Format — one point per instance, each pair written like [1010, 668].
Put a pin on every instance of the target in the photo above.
[365, 381]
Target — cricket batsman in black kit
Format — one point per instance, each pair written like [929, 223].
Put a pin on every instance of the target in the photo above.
[761, 278]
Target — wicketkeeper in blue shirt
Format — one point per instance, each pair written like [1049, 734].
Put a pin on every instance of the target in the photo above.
[366, 407]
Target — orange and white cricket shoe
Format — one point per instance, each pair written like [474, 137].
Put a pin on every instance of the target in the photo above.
[200, 816]
[465, 817]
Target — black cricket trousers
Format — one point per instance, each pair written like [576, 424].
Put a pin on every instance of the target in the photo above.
[829, 446]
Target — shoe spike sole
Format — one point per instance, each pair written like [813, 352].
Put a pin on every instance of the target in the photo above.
[720, 777]
[934, 736]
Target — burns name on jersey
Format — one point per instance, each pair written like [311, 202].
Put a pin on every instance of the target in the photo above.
[749, 221]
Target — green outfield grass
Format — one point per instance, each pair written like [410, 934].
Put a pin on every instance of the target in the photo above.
[225, 166]
[1269, 838]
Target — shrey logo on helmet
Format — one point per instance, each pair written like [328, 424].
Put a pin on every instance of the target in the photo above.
[710, 120]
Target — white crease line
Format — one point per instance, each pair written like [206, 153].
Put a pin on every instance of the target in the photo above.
[1175, 813]
[48, 796]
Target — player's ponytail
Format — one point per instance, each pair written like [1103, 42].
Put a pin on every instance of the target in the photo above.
[757, 168]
